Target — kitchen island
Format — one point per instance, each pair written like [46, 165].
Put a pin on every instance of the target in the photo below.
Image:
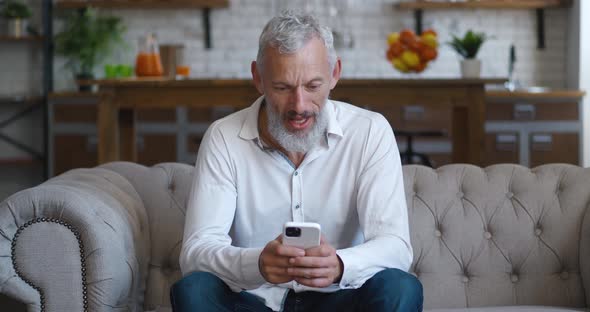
[462, 101]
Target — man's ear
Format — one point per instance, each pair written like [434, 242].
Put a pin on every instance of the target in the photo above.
[336, 73]
[256, 77]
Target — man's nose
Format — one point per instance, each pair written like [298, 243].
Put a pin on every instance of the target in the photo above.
[298, 100]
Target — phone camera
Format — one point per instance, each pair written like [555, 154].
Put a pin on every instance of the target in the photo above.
[293, 231]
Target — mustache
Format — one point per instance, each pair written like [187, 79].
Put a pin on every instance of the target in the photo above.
[305, 114]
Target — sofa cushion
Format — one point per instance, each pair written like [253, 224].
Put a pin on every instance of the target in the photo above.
[509, 309]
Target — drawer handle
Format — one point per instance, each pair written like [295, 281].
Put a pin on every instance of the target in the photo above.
[506, 142]
[413, 112]
[541, 142]
[91, 143]
[140, 143]
[524, 112]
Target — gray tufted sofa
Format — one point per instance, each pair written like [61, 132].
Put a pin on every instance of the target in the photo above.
[503, 238]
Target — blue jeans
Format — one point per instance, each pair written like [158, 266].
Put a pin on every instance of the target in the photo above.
[389, 290]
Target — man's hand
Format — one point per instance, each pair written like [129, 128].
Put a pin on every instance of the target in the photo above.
[320, 267]
[274, 261]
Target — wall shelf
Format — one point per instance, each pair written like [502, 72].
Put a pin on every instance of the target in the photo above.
[204, 5]
[483, 4]
[24, 161]
[142, 4]
[539, 5]
[20, 99]
[36, 39]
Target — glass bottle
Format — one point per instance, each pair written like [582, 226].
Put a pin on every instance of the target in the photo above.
[148, 62]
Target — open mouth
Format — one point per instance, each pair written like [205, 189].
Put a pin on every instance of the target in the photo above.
[299, 123]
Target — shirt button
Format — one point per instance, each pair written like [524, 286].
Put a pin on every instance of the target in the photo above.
[296, 173]
[297, 207]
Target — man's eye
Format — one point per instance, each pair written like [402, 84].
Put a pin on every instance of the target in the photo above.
[313, 87]
[280, 88]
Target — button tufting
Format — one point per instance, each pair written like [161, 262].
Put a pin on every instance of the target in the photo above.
[538, 232]
[514, 278]
[487, 235]
[564, 275]
[460, 194]
[465, 279]
[171, 187]
[509, 194]
[437, 233]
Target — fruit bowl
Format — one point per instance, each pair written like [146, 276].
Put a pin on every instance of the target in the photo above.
[409, 52]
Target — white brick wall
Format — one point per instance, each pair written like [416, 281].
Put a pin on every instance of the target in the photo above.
[235, 33]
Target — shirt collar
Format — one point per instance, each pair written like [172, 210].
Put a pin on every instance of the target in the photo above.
[249, 130]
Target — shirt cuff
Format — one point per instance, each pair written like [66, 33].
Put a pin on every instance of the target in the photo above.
[250, 270]
[349, 278]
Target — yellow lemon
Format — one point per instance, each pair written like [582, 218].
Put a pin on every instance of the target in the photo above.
[410, 58]
[430, 40]
[392, 38]
[400, 65]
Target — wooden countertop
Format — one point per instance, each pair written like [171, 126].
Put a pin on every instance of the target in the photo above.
[160, 82]
[553, 93]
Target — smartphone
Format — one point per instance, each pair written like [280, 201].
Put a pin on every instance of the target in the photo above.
[301, 234]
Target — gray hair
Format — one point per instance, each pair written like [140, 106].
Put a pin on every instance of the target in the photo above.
[290, 31]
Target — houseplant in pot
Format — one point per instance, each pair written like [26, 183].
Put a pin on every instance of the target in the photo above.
[467, 47]
[86, 40]
[16, 14]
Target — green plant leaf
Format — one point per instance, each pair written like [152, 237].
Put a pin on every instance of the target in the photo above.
[88, 38]
[15, 9]
[469, 45]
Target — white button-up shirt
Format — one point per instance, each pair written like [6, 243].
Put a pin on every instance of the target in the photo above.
[243, 193]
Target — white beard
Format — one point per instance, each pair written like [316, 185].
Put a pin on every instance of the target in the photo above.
[301, 141]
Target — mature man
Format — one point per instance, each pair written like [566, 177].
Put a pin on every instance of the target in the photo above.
[295, 155]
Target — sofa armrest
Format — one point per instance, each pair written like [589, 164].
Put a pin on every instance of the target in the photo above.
[79, 242]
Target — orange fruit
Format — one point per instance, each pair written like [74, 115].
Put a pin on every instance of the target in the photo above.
[406, 36]
[414, 45]
[421, 66]
[396, 49]
[428, 54]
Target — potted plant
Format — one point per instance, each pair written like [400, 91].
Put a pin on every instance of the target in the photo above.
[17, 14]
[86, 40]
[467, 47]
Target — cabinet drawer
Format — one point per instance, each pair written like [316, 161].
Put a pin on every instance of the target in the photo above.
[156, 148]
[156, 115]
[501, 148]
[209, 114]
[74, 151]
[74, 113]
[415, 117]
[554, 148]
[523, 111]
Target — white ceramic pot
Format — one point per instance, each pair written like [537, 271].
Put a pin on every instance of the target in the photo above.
[470, 68]
[17, 27]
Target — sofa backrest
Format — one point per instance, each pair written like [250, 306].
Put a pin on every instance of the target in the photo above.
[502, 235]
